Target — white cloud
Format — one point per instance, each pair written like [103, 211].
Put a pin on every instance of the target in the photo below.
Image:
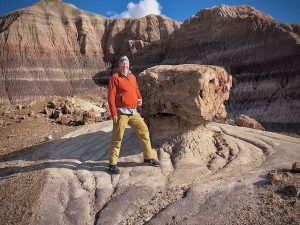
[141, 9]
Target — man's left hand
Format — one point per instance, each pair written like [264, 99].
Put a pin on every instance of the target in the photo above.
[140, 102]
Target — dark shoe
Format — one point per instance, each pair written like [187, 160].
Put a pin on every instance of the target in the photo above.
[151, 162]
[114, 169]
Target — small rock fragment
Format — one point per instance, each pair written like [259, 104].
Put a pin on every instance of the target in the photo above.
[296, 167]
[64, 119]
[56, 114]
[53, 103]
[24, 117]
[49, 138]
[47, 111]
[292, 190]
[31, 114]
[246, 121]
[19, 106]
[276, 177]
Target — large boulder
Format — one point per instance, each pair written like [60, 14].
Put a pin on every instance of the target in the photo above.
[177, 98]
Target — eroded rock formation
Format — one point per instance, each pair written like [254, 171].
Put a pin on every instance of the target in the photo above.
[179, 97]
[261, 54]
[54, 48]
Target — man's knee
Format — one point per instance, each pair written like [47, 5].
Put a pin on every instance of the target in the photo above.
[143, 133]
[142, 129]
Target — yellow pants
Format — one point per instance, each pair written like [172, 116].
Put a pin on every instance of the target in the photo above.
[137, 123]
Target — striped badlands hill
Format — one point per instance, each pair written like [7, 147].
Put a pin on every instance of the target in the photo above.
[53, 47]
[262, 54]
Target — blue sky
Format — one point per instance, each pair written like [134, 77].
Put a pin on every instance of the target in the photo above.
[287, 11]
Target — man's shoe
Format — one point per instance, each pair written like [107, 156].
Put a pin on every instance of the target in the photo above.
[151, 162]
[114, 169]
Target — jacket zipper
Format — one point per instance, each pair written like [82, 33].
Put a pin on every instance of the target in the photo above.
[131, 91]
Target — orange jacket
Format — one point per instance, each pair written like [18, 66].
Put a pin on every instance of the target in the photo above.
[123, 92]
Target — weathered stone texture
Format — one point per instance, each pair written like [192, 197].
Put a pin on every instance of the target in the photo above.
[178, 97]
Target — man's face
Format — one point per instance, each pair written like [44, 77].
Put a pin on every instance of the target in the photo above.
[124, 66]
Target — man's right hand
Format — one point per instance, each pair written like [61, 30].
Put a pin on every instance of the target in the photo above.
[115, 119]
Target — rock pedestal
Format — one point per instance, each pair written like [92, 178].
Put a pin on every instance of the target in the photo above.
[177, 98]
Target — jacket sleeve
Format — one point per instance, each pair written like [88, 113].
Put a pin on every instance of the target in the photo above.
[137, 90]
[112, 90]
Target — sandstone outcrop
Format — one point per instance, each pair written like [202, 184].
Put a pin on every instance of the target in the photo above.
[54, 48]
[178, 97]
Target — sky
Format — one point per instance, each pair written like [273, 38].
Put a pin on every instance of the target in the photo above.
[285, 11]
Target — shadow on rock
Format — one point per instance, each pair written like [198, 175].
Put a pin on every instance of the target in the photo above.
[88, 151]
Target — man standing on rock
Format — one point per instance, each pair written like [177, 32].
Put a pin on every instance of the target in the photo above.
[123, 98]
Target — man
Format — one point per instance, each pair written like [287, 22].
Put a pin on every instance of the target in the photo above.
[123, 98]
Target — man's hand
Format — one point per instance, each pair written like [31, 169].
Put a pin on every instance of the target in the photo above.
[140, 102]
[115, 119]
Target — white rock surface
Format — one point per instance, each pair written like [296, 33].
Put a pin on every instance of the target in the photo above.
[190, 185]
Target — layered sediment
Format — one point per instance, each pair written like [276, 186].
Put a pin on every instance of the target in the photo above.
[54, 48]
[261, 54]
